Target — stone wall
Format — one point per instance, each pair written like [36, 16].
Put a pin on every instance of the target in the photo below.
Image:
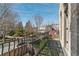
[77, 29]
[69, 38]
[73, 30]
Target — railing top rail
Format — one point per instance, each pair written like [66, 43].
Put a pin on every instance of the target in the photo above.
[12, 40]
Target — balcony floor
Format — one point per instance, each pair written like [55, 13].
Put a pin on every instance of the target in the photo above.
[52, 48]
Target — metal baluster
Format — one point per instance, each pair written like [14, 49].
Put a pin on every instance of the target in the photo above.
[24, 46]
[14, 48]
[21, 46]
[9, 49]
[2, 49]
[18, 47]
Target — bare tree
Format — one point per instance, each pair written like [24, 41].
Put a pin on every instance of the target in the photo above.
[28, 28]
[7, 18]
[38, 21]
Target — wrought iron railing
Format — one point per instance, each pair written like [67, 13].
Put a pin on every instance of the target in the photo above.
[15, 47]
[18, 47]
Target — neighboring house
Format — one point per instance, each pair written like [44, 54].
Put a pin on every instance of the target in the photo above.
[41, 29]
[48, 28]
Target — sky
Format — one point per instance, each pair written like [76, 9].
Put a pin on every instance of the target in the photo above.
[27, 11]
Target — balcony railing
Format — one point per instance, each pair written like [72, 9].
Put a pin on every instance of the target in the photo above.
[16, 47]
[19, 47]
